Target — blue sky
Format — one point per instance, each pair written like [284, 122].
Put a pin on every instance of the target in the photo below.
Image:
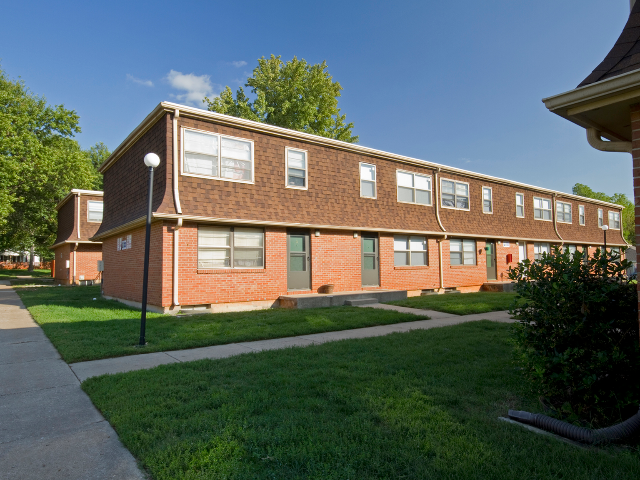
[458, 83]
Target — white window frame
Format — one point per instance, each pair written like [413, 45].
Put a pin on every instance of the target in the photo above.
[286, 168]
[558, 203]
[519, 205]
[455, 201]
[409, 251]
[537, 249]
[582, 216]
[462, 250]
[543, 209]
[232, 248]
[220, 137]
[612, 221]
[89, 209]
[490, 200]
[375, 180]
[430, 204]
[600, 218]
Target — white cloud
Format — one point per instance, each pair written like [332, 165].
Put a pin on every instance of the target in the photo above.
[139, 81]
[238, 63]
[196, 86]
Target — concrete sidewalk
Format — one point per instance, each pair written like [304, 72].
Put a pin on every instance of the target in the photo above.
[49, 429]
[84, 370]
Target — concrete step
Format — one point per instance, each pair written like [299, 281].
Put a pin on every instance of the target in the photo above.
[361, 301]
[315, 300]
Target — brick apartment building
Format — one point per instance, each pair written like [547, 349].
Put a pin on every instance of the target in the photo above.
[247, 212]
[76, 257]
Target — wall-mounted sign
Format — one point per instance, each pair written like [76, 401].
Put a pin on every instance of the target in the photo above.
[124, 243]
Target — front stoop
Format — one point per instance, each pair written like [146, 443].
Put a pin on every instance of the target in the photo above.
[498, 287]
[315, 300]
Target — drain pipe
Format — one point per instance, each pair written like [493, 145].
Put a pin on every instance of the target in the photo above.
[555, 219]
[75, 254]
[176, 200]
[436, 200]
[594, 138]
[440, 262]
[78, 216]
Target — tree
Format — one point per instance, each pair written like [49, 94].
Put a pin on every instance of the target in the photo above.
[98, 154]
[628, 214]
[293, 95]
[39, 163]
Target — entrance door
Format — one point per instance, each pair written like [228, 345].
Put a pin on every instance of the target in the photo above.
[522, 251]
[370, 260]
[298, 261]
[492, 271]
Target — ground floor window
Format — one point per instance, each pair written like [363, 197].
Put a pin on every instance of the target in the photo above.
[572, 250]
[409, 250]
[539, 249]
[462, 251]
[230, 247]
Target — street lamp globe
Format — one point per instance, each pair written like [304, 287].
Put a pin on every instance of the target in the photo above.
[151, 160]
[605, 227]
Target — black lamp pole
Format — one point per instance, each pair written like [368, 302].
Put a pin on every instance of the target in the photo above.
[151, 160]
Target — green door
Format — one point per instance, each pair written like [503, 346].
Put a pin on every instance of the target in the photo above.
[298, 261]
[492, 270]
[370, 261]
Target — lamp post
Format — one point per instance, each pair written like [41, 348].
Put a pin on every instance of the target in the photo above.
[604, 229]
[151, 160]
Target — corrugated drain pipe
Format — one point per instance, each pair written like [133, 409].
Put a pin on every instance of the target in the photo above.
[176, 200]
[620, 431]
[437, 203]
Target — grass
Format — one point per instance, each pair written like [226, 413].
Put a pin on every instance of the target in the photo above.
[460, 303]
[12, 274]
[84, 326]
[417, 405]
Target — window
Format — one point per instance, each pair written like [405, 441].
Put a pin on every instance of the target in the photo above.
[413, 188]
[462, 252]
[541, 208]
[539, 249]
[409, 250]
[615, 252]
[367, 180]
[296, 162]
[211, 155]
[230, 247]
[455, 194]
[563, 212]
[520, 205]
[581, 217]
[487, 200]
[600, 218]
[614, 220]
[572, 250]
[94, 211]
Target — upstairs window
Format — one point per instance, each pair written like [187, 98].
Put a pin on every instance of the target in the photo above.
[520, 205]
[563, 212]
[541, 208]
[94, 211]
[217, 156]
[614, 220]
[600, 218]
[581, 216]
[367, 180]
[487, 200]
[455, 194]
[230, 247]
[462, 251]
[413, 188]
[409, 250]
[296, 168]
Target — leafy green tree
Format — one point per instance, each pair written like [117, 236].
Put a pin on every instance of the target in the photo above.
[39, 163]
[293, 95]
[98, 154]
[628, 216]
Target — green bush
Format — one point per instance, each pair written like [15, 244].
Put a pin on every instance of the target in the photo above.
[577, 335]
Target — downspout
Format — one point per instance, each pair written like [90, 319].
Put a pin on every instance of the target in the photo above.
[595, 140]
[78, 216]
[75, 254]
[555, 219]
[436, 200]
[176, 200]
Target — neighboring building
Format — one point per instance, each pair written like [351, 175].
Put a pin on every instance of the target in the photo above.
[8, 258]
[246, 212]
[76, 256]
[607, 102]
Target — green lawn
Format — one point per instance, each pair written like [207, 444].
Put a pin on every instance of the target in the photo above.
[460, 303]
[417, 405]
[12, 274]
[84, 326]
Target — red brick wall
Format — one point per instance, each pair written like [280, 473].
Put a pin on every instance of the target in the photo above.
[87, 258]
[408, 277]
[62, 254]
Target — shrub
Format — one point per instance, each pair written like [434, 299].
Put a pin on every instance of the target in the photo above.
[577, 335]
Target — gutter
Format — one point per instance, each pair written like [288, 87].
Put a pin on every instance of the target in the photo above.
[176, 200]
[593, 137]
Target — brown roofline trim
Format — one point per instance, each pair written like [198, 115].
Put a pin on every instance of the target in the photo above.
[55, 245]
[199, 114]
[122, 228]
[77, 191]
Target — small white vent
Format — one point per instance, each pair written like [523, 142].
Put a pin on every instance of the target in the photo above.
[100, 265]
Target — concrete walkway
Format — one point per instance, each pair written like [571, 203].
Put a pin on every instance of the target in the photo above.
[84, 370]
[49, 429]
